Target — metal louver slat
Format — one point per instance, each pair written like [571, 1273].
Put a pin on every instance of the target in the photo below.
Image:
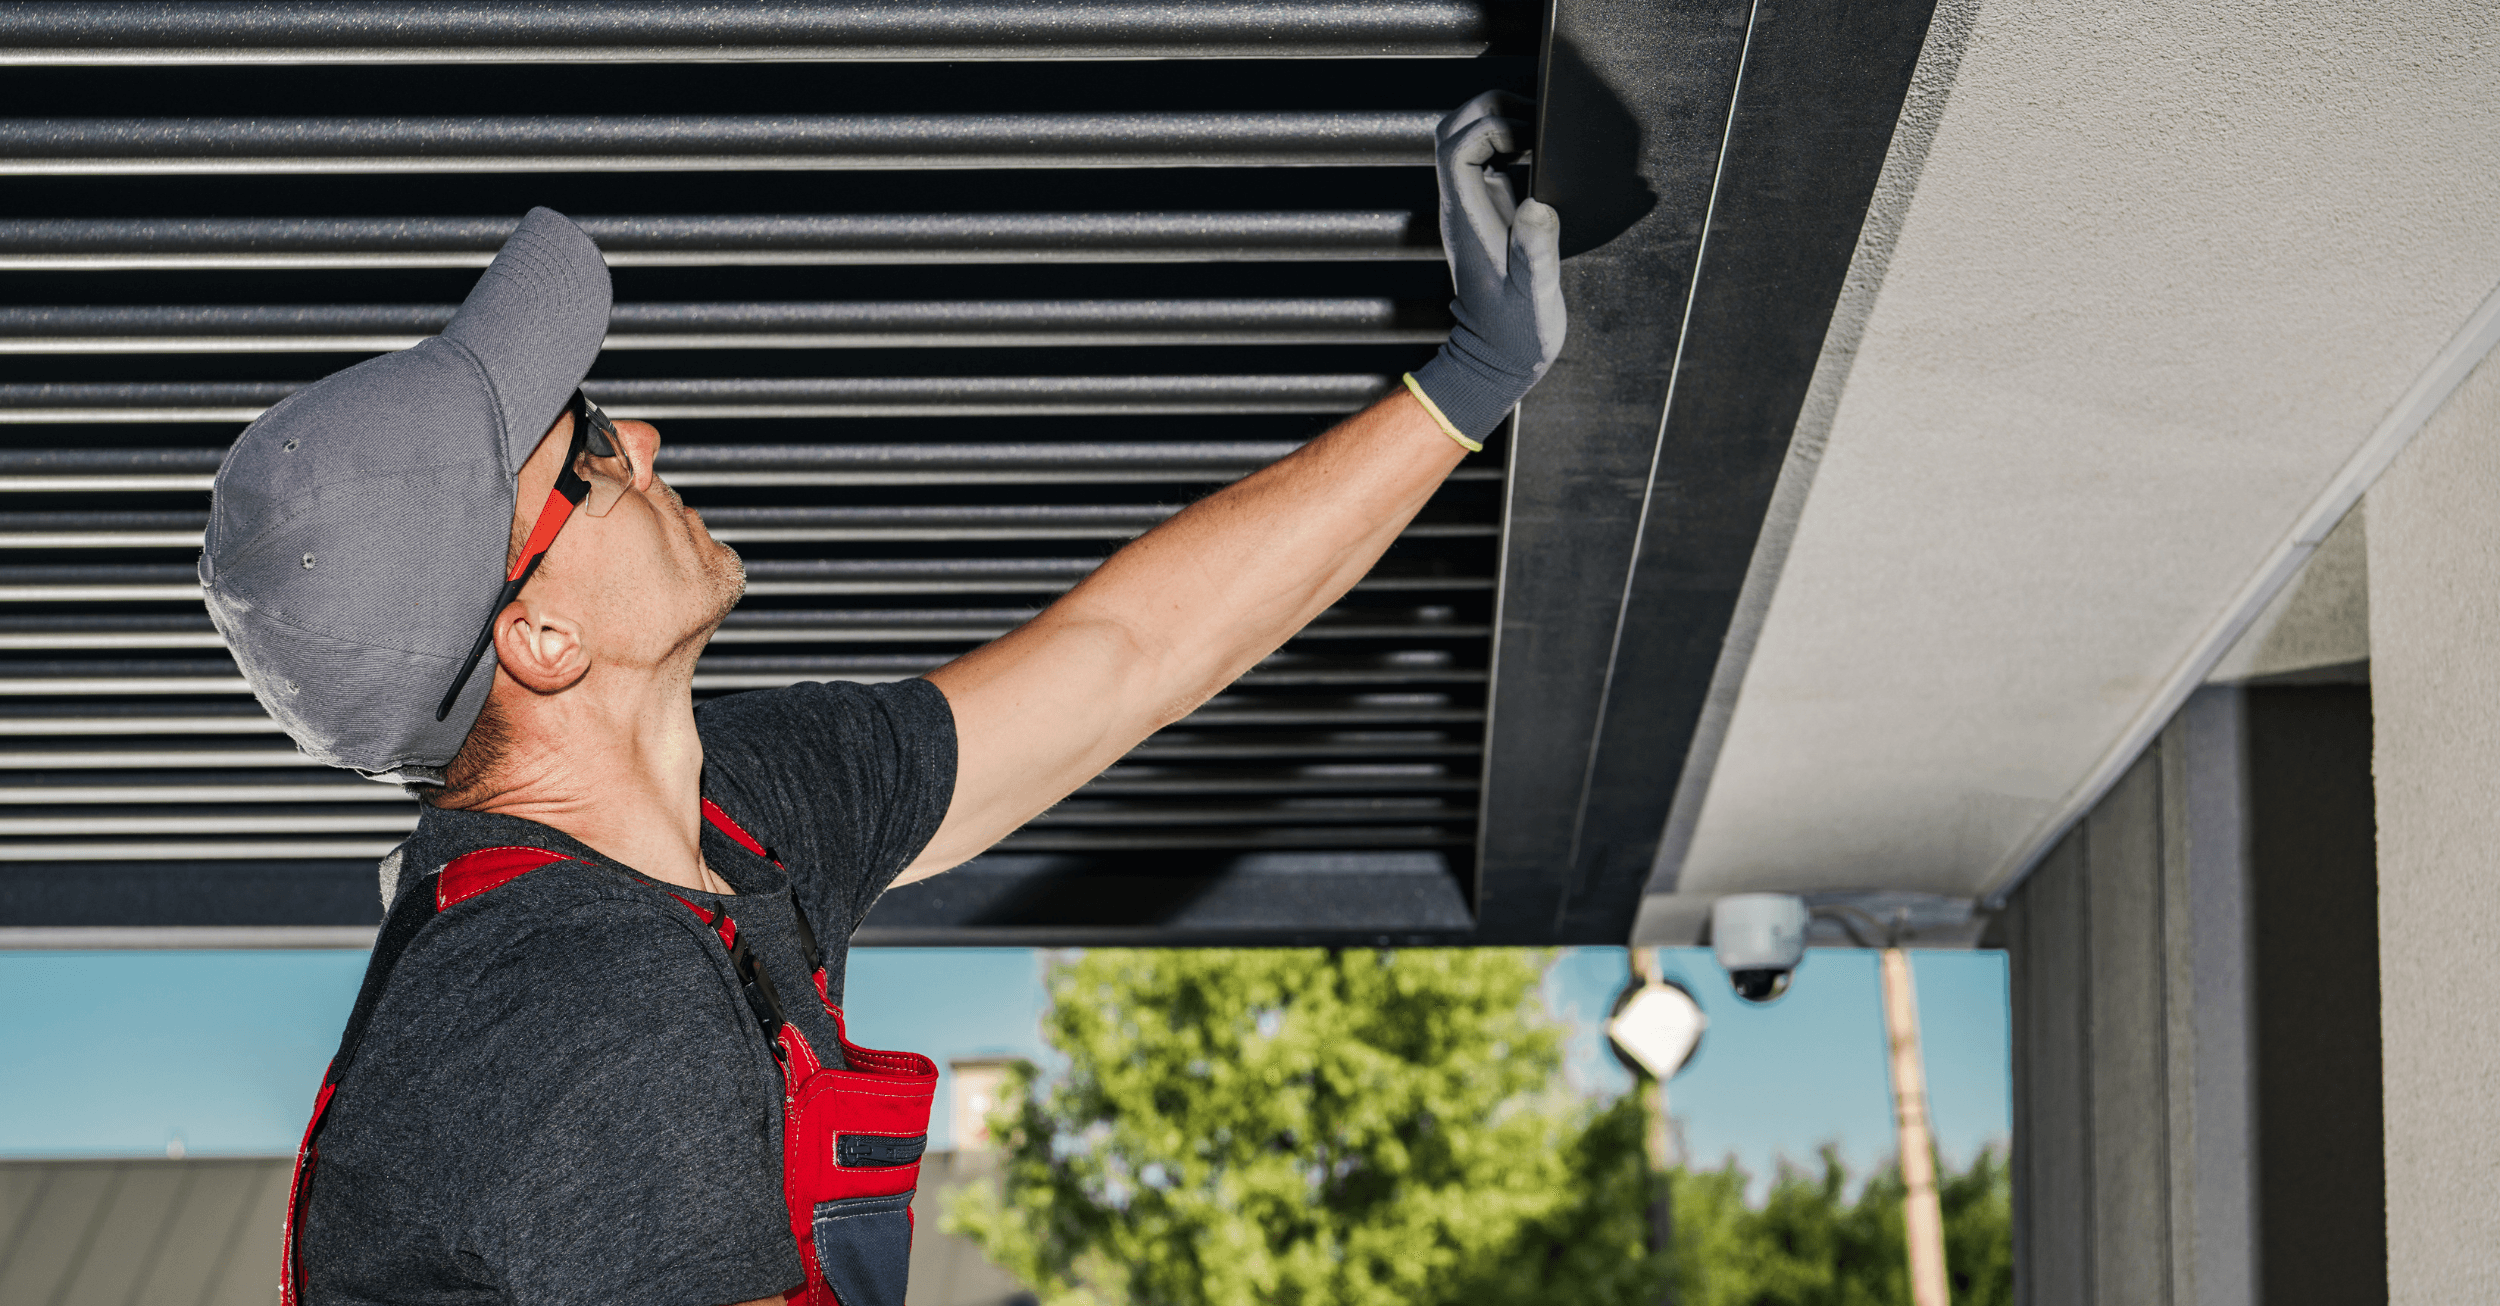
[1274, 748]
[643, 143]
[95, 471]
[671, 240]
[870, 625]
[900, 396]
[134, 530]
[984, 30]
[1035, 315]
[291, 328]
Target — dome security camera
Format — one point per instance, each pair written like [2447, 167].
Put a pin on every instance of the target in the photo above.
[1759, 938]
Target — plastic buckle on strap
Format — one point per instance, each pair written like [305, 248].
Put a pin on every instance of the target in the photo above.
[753, 980]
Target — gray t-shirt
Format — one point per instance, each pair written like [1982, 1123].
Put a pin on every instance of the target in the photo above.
[562, 1095]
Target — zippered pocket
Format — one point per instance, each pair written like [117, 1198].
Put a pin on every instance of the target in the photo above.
[863, 1245]
[868, 1151]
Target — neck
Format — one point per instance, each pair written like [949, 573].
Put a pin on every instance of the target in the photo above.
[616, 764]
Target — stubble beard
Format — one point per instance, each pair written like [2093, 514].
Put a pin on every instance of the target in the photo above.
[723, 581]
[721, 574]
[725, 575]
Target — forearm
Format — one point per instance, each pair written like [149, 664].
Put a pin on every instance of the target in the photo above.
[1207, 594]
[1176, 616]
[1188, 607]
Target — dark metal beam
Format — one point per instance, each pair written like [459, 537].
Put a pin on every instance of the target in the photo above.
[1645, 465]
[1635, 101]
[189, 893]
[1024, 899]
[1822, 92]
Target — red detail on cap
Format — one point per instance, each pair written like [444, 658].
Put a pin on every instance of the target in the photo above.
[488, 868]
[721, 822]
[550, 520]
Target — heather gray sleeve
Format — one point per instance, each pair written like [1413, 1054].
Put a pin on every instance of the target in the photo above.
[845, 783]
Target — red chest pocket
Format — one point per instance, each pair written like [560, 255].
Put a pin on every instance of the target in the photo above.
[851, 1139]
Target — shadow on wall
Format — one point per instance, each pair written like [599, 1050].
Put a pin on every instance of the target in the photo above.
[1592, 176]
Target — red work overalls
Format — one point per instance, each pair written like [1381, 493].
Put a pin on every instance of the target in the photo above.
[851, 1138]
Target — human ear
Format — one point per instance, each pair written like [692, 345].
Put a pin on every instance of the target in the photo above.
[541, 652]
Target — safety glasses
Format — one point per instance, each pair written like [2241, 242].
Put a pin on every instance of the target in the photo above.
[597, 472]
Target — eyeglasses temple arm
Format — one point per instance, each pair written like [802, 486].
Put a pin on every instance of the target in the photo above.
[486, 635]
[569, 490]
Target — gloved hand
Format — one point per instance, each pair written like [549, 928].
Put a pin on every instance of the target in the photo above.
[1506, 263]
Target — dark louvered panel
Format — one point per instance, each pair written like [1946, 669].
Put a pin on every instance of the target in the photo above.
[928, 341]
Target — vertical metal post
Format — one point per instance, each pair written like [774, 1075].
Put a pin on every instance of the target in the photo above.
[1922, 1216]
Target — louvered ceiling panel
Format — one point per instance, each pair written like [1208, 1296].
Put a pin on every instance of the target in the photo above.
[936, 306]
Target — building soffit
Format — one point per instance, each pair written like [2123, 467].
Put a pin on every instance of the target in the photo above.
[2167, 292]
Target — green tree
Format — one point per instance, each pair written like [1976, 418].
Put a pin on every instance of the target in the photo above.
[1979, 1230]
[1810, 1246]
[1293, 1128]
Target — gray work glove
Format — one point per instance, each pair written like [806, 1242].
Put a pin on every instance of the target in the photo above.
[1506, 264]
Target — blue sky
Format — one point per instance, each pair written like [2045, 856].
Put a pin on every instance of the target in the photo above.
[1783, 1078]
[123, 1053]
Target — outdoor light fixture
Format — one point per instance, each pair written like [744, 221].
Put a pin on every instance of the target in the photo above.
[1656, 1027]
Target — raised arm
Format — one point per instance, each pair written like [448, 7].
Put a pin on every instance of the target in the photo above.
[1188, 607]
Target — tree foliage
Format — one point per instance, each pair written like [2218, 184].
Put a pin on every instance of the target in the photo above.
[1286, 1128]
[1360, 1128]
[1809, 1245]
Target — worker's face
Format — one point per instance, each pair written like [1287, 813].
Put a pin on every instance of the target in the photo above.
[646, 584]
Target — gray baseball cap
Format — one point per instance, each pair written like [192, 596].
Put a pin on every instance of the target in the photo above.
[359, 528]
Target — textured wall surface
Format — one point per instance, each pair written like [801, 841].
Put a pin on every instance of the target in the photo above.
[2435, 680]
[2165, 269]
[2196, 1096]
[2319, 623]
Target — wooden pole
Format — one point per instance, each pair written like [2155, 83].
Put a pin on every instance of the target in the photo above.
[1922, 1217]
[1653, 1094]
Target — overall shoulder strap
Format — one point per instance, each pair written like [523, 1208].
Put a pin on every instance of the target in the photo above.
[807, 933]
[456, 881]
[720, 821]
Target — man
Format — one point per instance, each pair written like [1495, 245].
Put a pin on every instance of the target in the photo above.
[560, 1082]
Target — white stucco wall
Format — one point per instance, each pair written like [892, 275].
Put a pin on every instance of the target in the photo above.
[2165, 269]
[2435, 703]
[2320, 620]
